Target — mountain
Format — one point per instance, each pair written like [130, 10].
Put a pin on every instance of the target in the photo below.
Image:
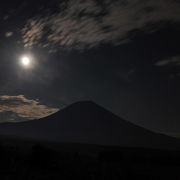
[88, 123]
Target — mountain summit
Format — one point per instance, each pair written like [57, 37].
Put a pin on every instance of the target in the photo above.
[88, 123]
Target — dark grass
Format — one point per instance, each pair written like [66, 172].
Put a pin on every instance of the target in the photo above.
[22, 159]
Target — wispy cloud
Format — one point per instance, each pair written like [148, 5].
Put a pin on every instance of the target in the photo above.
[85, 24]
[8, 34]
[171, 61]
[24, 107]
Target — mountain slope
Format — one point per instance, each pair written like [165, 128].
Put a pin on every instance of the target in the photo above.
[86, 122]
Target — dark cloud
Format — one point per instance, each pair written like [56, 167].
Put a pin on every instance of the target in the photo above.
[24, 107]
[85, 24]
[171, 61]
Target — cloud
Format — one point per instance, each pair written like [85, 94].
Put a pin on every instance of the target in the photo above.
[5, 17]
[86, 24]
[8, 34]
[24, 107]
[172, 66]
[172, 61]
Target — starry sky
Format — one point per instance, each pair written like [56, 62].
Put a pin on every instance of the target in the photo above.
[124, 55]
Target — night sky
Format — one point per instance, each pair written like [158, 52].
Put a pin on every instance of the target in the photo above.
[123, 55]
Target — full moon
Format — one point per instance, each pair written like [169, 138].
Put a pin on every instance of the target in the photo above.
[25, 61]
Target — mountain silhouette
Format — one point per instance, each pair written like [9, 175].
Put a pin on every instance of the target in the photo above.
[88, 123]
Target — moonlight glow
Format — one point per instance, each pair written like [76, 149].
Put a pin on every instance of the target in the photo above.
[25, 61]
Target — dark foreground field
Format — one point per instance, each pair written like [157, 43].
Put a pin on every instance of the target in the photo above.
[23, 160]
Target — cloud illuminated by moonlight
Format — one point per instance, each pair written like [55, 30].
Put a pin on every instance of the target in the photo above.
[86, 24]
[24, 107]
